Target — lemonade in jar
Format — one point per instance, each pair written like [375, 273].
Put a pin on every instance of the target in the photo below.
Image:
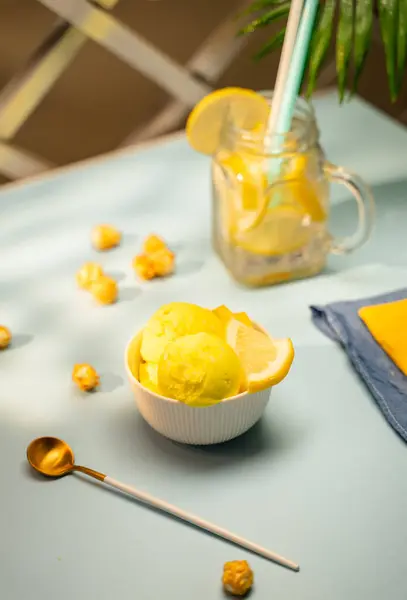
[271, 194]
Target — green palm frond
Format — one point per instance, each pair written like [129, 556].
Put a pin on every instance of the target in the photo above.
[388, 13]
[257, 6]
[275, 42]
[344, 40]
[401, 43]
[353, 37]
[363, 36]
[320, 43]
[281, 10]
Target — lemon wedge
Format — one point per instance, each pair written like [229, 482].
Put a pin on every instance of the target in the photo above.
[265, 361]
[245, 109]
[225, 315]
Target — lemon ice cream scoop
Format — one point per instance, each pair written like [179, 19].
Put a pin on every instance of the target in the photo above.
[173, 321]
[199, 370]
[148, 376]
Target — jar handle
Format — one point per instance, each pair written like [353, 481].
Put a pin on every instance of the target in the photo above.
[364, 199]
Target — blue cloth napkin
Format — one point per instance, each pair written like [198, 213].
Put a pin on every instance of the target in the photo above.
[388, 385]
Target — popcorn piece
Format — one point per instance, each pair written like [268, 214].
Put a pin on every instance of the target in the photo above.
[144, 267]
[163, 262]
[5, 337]
[88, 274]
[85, 377]
[153, 243]
[105, 237]
[157, 260]
[104, 290]
[237, 577]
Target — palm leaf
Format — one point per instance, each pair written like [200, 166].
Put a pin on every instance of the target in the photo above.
[320, 43]
[275, 42]
[257, 6]
[272, 15]
[353, 37]
[402, 42]
[363, 36]
[388, 14]
[344, 40]
[309, 51]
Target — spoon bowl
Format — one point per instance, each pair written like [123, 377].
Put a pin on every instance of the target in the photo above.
[50, 456]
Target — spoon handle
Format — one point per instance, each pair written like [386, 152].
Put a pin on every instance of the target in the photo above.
[90, 472]
[201, 523]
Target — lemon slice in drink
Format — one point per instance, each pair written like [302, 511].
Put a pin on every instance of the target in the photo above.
[245, 109]
[265, 361]
[300, 193]
[247, 172]
[282, 230]
[308, 187]
[241, 184]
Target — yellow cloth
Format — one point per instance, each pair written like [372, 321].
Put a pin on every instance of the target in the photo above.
[388, 325]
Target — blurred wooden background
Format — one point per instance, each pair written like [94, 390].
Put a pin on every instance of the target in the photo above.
[99, 102]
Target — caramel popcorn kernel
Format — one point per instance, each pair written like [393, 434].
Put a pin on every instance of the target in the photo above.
[153, 243]
[105, 237]
[144, 267]
[87, 274]
[104, 290]
[5, 337]
[163, 262]
[237, 577]
[85, 377]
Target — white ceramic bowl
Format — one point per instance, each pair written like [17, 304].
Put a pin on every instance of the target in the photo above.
[190, 425]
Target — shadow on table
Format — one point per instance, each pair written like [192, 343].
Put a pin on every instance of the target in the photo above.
[129, 294]
[190, 266]
[191, 256]
[110, 382]
[116, 274]
[269, 437]
[20, 340]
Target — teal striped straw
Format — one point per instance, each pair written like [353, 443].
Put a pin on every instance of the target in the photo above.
[293, 83]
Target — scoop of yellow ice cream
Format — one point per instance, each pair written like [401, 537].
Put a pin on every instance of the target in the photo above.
[173, 321]
[148, 376]
[199, 370]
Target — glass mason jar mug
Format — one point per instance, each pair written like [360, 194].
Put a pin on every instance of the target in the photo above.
[271, 202]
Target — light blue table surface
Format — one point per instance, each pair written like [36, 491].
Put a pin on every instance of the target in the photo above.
[322, 479]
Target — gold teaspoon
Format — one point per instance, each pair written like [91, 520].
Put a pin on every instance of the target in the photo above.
[54, 458]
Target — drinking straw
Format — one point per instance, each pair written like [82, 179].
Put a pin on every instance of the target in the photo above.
[284, 64]
[285, 110]
[296, 67]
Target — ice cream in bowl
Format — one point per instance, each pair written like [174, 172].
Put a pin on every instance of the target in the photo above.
[202, 376]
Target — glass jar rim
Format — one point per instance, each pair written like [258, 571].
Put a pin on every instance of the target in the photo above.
[279, 143]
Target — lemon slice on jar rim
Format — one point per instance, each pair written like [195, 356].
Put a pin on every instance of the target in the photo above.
[246, 109]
